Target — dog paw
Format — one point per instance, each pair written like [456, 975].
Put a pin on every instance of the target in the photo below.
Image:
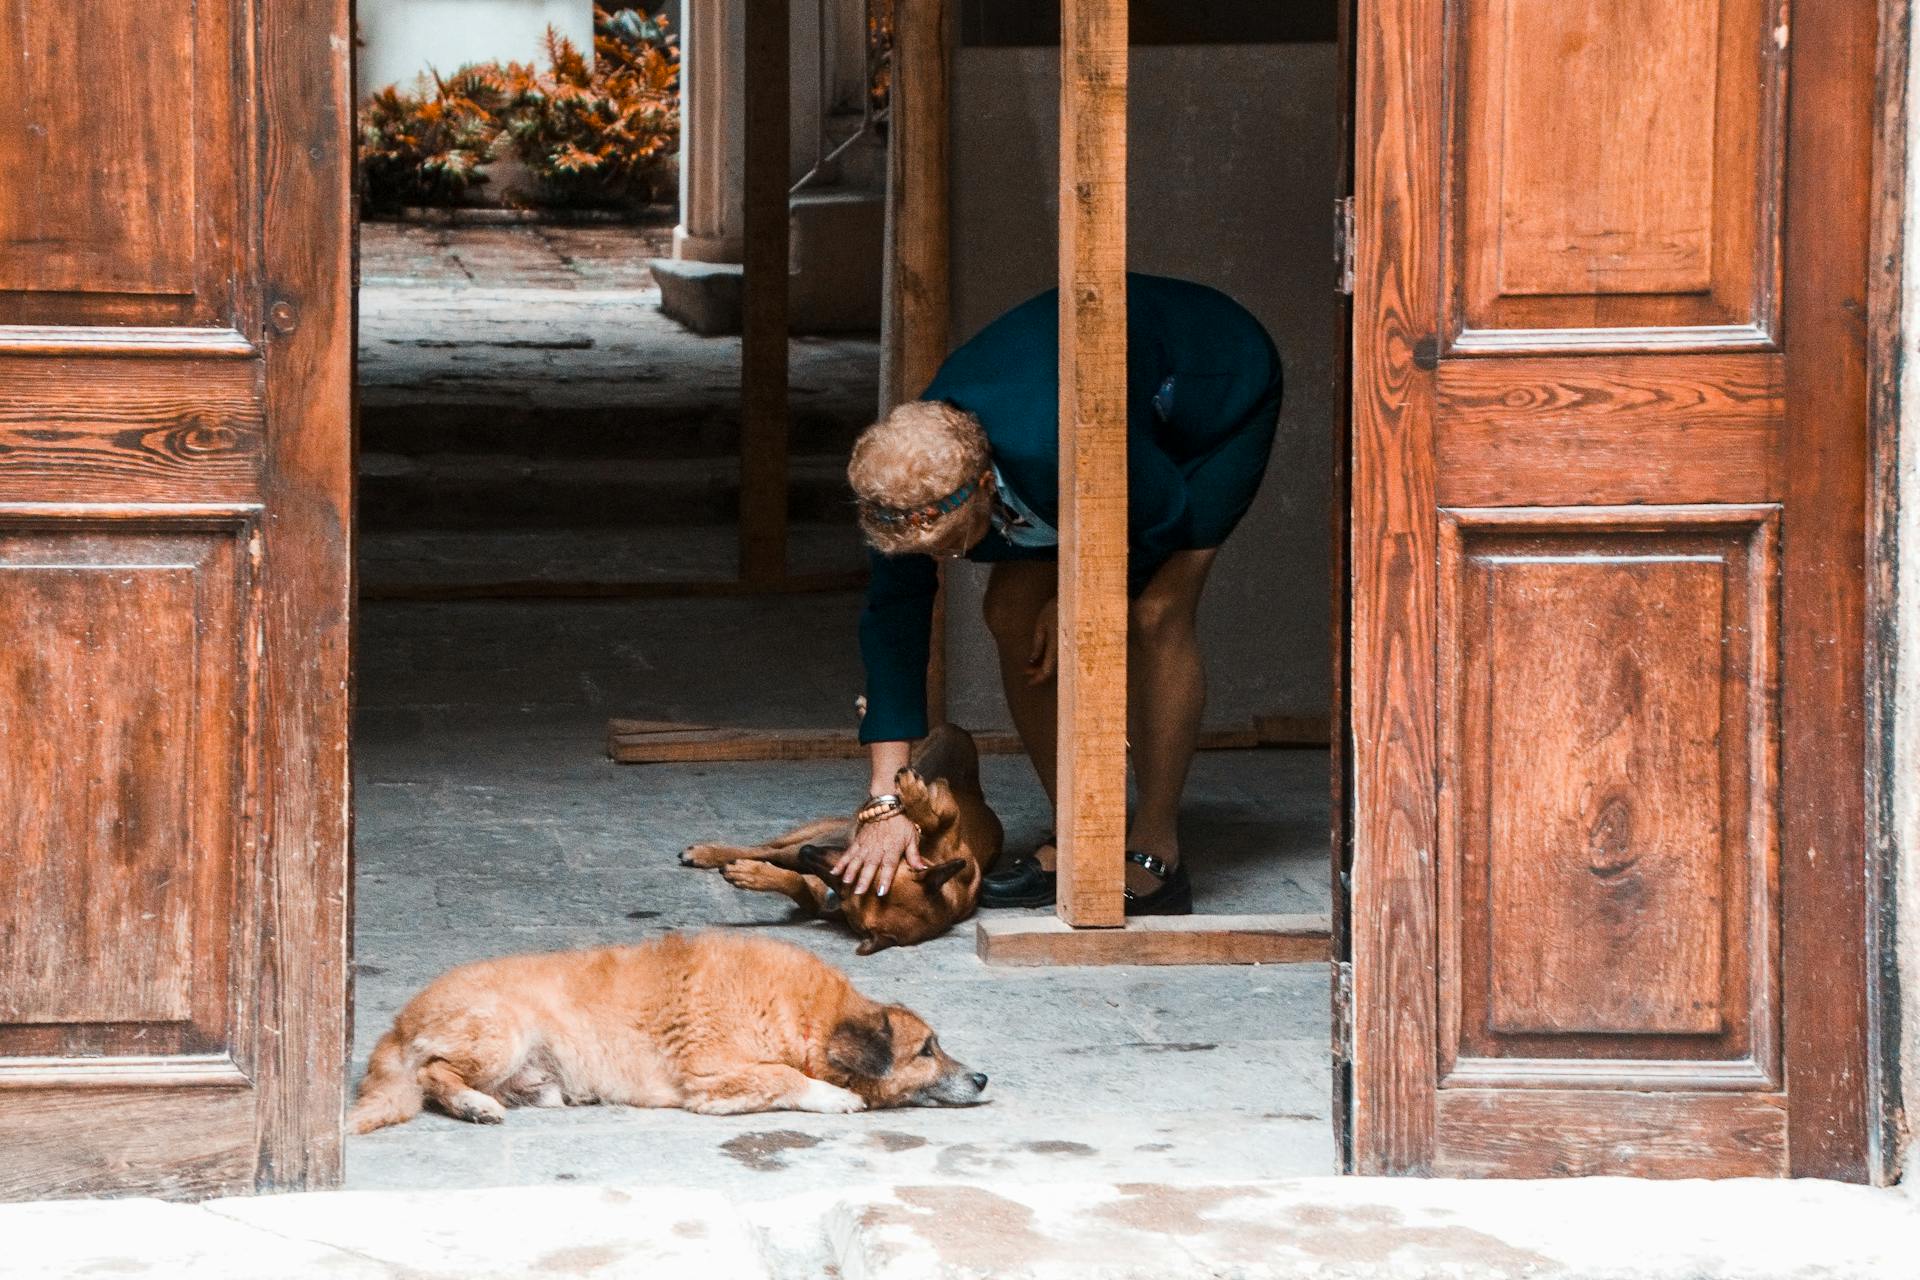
[910, 787]
[750, 875]
[705, 856]
[828, 1099]
[477, 1107]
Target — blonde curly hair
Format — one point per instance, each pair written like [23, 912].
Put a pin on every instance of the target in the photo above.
[918, 454]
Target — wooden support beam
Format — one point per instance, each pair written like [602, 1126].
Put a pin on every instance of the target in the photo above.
[919, 284]
[763, 346]
[1044, 940]
[1092, 766]
[917, 306]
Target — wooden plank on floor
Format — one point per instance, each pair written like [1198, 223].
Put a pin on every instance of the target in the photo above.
[1092, 763]
[632, 741]
[1292, 731]
[1168, 940]
[763, 349]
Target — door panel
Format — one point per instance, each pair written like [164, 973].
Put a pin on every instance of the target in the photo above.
[1565, 113]
[1607, 719]
[174, 502]
[123, 156]
[1608, 439]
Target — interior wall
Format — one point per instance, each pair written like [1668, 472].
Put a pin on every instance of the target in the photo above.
[401, 39]
[1231, 166]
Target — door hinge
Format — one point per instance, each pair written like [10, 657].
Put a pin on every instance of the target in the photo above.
[1343, 244]
[1343, 1011]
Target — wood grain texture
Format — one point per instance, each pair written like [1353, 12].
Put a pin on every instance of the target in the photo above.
[120, 794]
[1607, 857]
[1547, 1133]
[1092, 764]
[1885, 297]
[113, 429]
[1524, 414]
[300, 893]
[1400, 61]
[188, 1143]
[763, 342]
[124, 202]
[1558, 232]
[1155, 940]
[1823, 765]
[919, 283]
[1566, 430]
[915, 329]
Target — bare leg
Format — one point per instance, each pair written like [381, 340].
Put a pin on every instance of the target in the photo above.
[769, 1087]
[1016, 593]
[1166, 697]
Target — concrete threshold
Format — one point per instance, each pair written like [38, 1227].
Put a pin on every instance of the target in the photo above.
[1311, 1229]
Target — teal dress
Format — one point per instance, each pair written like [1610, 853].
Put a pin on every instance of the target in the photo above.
[1203, 395]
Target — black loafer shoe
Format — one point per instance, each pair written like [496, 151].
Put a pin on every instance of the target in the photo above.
[1174, 897]
[1021, 883]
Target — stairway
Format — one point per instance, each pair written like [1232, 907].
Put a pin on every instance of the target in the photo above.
[580, 437]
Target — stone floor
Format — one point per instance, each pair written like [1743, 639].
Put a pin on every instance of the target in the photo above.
[997, 1229]
[489, 821]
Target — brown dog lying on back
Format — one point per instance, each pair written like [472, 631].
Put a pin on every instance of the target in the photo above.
[715, 1023]
[959, 839]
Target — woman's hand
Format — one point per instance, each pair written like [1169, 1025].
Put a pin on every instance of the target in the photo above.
[874, 857]
[1044, 655]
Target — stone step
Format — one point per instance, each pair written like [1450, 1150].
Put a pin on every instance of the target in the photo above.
[490, 491]
[706, 427]
[837, 239]
[393, 559]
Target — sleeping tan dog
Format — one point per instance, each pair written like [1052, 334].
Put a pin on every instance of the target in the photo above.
[960, 839]
[713, 1023]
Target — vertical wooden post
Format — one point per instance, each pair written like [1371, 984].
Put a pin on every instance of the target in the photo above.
[1093, 461]
[918, 296]
[763, 346]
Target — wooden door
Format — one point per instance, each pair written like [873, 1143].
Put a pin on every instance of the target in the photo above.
[1608, 481]
[175, 452]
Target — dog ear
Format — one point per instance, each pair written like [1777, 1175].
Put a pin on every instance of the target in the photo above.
[940, 872]
[863, 1046]
[818, 860]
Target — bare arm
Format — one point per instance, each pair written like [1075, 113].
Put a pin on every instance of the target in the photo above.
[874, 857]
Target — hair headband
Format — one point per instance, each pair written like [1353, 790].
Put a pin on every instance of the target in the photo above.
[925, 516]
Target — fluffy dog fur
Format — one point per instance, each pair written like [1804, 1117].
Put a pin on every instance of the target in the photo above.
[960, 839]
[712, 1023]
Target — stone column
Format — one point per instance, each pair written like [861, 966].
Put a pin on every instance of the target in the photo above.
[712, 132]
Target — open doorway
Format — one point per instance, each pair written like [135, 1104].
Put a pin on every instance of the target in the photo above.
[491, 821]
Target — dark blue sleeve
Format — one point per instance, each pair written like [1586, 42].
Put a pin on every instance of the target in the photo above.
[896, 629]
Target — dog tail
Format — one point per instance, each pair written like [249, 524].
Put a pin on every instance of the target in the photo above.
[390, 1093]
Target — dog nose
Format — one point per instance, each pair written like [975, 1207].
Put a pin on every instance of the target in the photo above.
[979, 1079]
